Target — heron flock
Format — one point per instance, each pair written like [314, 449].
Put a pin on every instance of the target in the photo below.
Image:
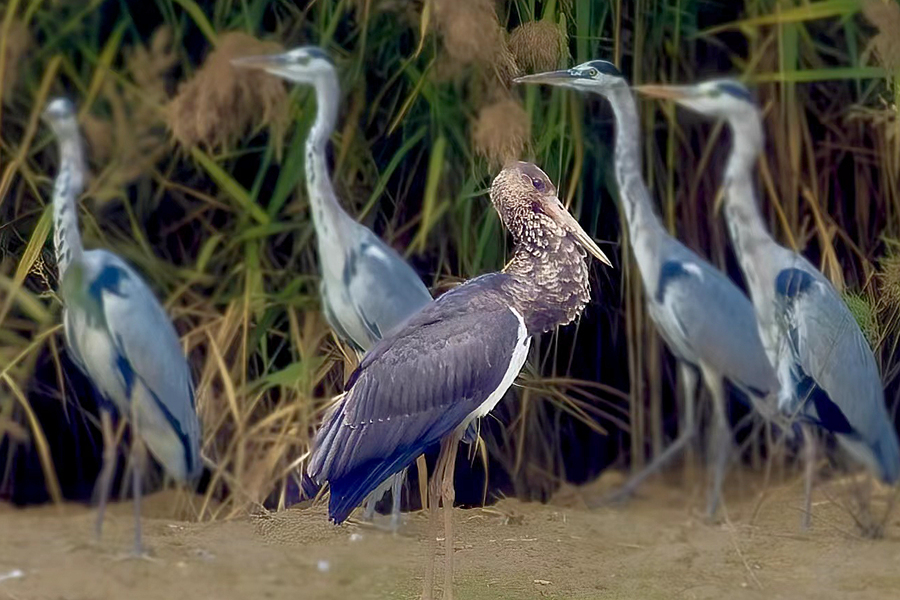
[429, 368]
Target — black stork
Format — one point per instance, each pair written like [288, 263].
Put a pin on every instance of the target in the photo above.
[451, 362]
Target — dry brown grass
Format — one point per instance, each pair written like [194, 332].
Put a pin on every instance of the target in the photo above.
[220, 103]
[539, 46]
[472, 35]
[885, 16]
[502, 131]
[130, 138]
[17, 43]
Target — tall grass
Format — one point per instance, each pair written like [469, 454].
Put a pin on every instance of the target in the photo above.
[217, 220]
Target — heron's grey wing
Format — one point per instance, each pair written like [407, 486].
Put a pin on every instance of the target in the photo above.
[151, 362]
[450, 362]
[383, 288]
[835, 372]
[705, 317]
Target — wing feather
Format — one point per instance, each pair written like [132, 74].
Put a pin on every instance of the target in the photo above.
[415, 387]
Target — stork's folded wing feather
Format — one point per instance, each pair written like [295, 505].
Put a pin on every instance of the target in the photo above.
[414, 388]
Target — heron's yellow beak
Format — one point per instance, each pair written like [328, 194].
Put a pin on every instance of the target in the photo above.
[559, 214]
[667, 92]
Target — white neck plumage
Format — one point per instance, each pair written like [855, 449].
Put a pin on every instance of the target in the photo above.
[644, 227]
[69, 184]
[323, 202]
[745, 224]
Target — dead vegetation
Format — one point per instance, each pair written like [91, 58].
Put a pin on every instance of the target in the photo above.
[220, 103]
[502, 131]
[539, 46]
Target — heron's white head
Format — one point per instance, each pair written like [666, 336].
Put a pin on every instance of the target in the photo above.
[597, 76]
[721, 98]
[60, 116]
[306, 64]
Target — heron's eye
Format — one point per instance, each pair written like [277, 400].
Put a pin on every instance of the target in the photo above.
[592, 72]
[538, 184]
[714, 93]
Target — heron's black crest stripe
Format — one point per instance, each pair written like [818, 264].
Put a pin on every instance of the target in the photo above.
[317, 52]
[733, 88]
[605, 67]
[790, 283]
[107, 280]
[669, 272]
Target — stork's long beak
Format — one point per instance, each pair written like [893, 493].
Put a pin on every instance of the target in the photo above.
[262, 62]
[668, 92]
[559, 214]
[550, 77]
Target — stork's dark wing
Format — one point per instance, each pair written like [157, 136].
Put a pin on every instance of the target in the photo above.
[417, 386]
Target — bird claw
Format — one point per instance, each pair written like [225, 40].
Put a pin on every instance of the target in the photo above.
[137, 554]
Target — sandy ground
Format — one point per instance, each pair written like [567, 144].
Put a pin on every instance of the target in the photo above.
[656, 546]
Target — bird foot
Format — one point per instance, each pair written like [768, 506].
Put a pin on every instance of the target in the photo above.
[137, 554]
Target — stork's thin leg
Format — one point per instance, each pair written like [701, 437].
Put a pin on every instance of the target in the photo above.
[809, 458]
[369, 510]
[396, 489]
[106, 471]
[139, 456]
[449, 497]
[720, 441]
[434, 496]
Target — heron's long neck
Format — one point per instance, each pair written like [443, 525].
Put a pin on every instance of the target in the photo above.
[323, 202]
[69, 183]
[745, 224]
[644, 227]
[550, 280]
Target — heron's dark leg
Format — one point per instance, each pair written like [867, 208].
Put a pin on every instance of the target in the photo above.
[448, 492]
[107, 470]
[138, 458]
[809, 458]
[689, 382]
[688, 376]
[720, 441]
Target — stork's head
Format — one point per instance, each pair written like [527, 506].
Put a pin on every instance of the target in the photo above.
[528, 205]
[306, 64]
[598, 76]
[60, 116]
[722, 98]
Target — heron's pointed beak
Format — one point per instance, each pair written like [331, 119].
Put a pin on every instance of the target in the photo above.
[263, 62]
[667, 92]
[560, 77]
[559, 214]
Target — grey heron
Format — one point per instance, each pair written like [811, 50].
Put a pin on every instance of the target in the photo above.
[826, 371]
[452, 361]
[120, 337]
[367, 289]
[705, 319]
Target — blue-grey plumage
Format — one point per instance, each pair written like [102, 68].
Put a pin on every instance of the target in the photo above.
[367, 289]
[827, 372]
[705, 319]
[116, 330]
